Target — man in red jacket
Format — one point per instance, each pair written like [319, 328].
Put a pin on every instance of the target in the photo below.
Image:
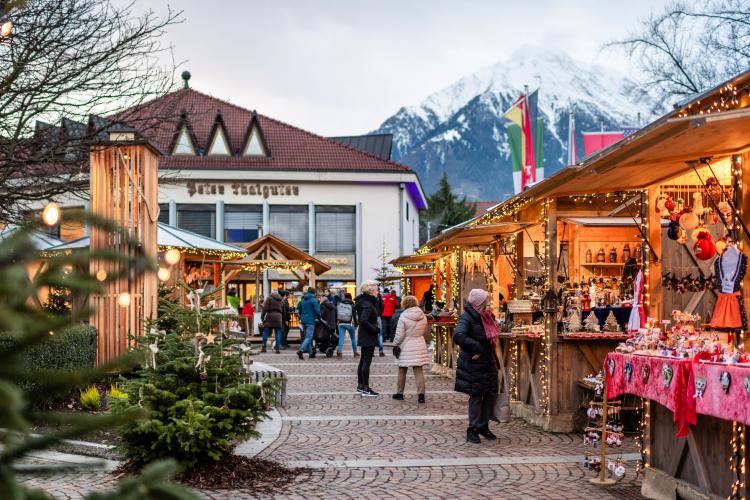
[390, 302]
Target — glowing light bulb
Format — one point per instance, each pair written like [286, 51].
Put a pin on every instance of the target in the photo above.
[51, 214]
[163, 274]
[101, 275]
[124, 299]
[172, 256]
[6, 29]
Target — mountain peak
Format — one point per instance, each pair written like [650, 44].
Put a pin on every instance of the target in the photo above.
[459, 128]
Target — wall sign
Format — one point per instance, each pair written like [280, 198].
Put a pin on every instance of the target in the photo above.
[242, 189]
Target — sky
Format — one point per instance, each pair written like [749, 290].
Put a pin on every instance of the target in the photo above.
[339, 67]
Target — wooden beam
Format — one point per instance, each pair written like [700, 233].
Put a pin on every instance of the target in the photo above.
[653, 280]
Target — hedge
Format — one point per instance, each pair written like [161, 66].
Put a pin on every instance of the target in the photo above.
[71, 349]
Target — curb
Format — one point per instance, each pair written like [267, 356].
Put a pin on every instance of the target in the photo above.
[269, 431]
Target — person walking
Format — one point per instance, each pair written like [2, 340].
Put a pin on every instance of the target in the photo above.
[347, 321]
[366, 309]
[476, 373]
[308, 310]
[271, 315]
[389, 308]
[286, 318]
[411, 331]
[326, 327]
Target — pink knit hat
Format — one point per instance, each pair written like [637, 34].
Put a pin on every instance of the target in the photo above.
[477, 297]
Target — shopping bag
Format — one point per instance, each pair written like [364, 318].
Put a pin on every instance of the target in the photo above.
[501, 408]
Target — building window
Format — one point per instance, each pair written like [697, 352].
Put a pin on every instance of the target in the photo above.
[407, 211]
[199, 219]
[219, 144]
[254, 146]
[164, 213]
[184, 145]
[242, 223]
[290, 223]
[335, 229]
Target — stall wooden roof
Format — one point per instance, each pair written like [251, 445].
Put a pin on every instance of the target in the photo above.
[483, 235]
[270, 250]
[417, 259]
[604, 221]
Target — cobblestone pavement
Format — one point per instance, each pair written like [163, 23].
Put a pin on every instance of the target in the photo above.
[381, 448]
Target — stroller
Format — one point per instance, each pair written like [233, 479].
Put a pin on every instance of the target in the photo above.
[326, 338]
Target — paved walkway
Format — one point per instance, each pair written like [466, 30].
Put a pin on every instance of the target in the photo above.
[381, 448]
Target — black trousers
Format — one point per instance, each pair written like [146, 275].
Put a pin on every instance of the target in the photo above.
[363, 370]
[285, 334]
[480, 410]
[387, 327]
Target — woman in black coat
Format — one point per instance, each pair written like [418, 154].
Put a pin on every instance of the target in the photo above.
[367, 312]
[476, 372]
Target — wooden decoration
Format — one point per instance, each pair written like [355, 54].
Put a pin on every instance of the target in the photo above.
[124, 187]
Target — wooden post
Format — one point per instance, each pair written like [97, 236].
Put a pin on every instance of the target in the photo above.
[743, 198]
[551, 319]
[124, 186]
[653, 280]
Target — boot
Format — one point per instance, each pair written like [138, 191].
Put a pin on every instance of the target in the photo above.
[398, 396]
[472, 436]
[339, 355]
[420, 398]
[356, 354]
[487, 433]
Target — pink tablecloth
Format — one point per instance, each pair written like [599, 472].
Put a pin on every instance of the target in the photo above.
[679, 394]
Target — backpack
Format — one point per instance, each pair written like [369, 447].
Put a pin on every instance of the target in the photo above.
[344, 312]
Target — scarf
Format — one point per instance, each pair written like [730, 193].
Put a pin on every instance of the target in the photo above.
[490, 325]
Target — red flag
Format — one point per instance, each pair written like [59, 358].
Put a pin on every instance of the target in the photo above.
[594, 141]
[529, 169]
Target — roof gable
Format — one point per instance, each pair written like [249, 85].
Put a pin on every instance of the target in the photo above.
[218, 142]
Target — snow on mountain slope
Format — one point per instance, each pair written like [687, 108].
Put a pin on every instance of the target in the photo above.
[460, 129]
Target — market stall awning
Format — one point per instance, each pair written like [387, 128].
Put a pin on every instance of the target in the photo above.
[271, 252]
[660, 152]
[484, 234]
[40, 240]
[170, 237]
[604, 221]
[419, 259]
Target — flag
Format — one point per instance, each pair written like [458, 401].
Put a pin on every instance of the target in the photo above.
[521, 140]
[595, 141]
[572, 153]
[514, 128]
[529, 166]
[539, 142]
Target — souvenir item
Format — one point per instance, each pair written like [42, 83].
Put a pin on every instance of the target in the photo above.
[698, 204]
[600, 257]
[673, 230]
[713, 189]
[669, 204]
[611, 366]
[660, 202]
[589, 256]
[638, 251]
[746, 383]
[689, 221]
[628, 370]
[726, 380]
[645, 372]
[667, 373]
[625, 252]
[695, 235]
[613, 255]
[721, 245]
[700, 387]
[704, 248]
[730, 269]
[682, 236]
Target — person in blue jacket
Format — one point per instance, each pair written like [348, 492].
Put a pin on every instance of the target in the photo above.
[309, 311]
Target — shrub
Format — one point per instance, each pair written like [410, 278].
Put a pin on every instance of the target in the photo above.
[194, 414]
[90, 399]
[73, 348]
[116, 393]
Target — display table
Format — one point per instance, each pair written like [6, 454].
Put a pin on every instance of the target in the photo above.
[445, 353]
[691, 422]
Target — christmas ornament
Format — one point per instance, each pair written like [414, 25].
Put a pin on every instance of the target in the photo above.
[700, 387]
[645, 373]
[682, 236]
[611, 366]
[746, 383]
[210, 338]
[660, 204]
[667, 373]
[713, 189]
[689, 221]
[695, 235]
[704, 248]
[669, 204]
[726, 380]
[725, 210]
[698, 203]
[628, 371]
[721, 245]
[153, 350]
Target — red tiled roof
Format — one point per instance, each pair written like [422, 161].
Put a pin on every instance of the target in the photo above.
[290, 148]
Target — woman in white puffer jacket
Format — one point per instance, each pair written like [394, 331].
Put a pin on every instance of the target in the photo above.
[411, 331]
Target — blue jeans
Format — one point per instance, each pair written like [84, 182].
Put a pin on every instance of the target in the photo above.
[347, 328]
[380, 334]
[306, 346]
[276, 336]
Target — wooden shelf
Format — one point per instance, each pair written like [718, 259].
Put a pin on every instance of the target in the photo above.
[603, 264]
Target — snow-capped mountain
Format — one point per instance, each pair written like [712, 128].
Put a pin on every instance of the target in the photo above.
[459, 128]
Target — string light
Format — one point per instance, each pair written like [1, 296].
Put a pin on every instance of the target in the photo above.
[101, 275]
[276, 266]
[124, 299]
[172, 256]
[163, 274]
[728, 98]
[507, 209]
[51, 214]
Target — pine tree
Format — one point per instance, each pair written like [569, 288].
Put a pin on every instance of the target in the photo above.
[591, 323]
[446, 209]
[58, 300]
[384, 272]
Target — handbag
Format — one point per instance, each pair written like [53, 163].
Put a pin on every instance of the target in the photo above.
[501, 408]
[396, 351]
